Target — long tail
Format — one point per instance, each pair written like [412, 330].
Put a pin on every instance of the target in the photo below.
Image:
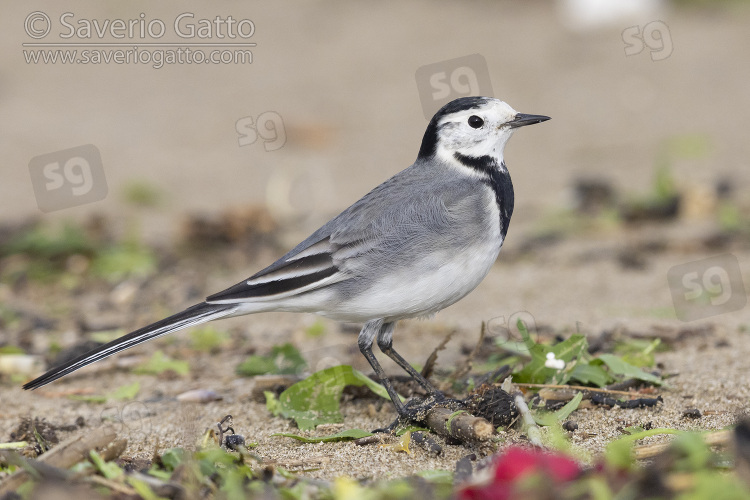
[195, 315]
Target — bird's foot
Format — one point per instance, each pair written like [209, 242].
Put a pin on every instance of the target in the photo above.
[415, 410]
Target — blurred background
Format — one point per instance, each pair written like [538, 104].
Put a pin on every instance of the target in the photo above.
[209, 171]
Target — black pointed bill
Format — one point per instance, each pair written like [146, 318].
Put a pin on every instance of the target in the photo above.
[521, 120]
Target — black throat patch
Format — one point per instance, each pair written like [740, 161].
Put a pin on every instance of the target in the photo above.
[497, 178]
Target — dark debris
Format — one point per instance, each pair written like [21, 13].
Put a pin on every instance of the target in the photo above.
[493, 404]
[600, 399]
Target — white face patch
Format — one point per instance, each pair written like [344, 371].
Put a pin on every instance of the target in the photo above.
[456, 135]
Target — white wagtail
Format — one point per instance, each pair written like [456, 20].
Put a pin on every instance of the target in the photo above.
[412, 246]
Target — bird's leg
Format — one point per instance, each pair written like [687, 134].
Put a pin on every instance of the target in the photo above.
[416, 409]
[365, 340]
[385, 342]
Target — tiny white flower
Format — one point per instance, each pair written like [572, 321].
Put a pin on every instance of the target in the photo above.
[552, 362]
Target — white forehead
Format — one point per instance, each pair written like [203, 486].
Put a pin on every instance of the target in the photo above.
[493, 110]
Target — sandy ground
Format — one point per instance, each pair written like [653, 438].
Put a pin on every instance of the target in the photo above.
[342, 78]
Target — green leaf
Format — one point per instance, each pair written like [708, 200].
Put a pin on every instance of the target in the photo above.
[284, 359]
[143, 489]
[16, 445]
[618, 452]
[272, 403]
[569, 408]
[693, 454]
[256, 365]
[315, 400]
[160, 363]
[158, 473]
[125, 392]
[619, 367]
[513, 346]
[550, 418]
[587, 373]
[110, 470]
[638, 352]
[524, 331]
[437, 476]
[346, 435]
[173, 457]
[411, 428]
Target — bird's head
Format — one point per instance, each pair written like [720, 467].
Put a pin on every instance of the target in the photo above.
[473, 127]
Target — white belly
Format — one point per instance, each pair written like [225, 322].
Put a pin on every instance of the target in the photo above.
[434, 283]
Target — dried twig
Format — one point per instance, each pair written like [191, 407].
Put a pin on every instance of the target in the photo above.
[458, 425]
[375, 438]
[532, 430]
[160, 487]
[112, 485]
[114, 449]
[429, 365]
[16, 445]
[466, 366]
[718, 438]
[65, 455]
[306, 463]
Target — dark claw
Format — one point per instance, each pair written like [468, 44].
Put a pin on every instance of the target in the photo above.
[223, 430]
[415, 410]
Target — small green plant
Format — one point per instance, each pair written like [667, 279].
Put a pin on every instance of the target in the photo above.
[123, 393]
[317, 329]
[160, 363]
[118, 262]
[284, 359]
[50, 243]
[208, 339]
[142, 194]
[47, 251]
[576, 364]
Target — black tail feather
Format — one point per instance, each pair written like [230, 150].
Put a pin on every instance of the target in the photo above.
[199, 313]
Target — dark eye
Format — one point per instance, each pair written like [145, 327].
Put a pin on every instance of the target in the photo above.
[475, 121]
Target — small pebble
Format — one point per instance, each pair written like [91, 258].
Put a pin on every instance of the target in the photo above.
[21, 364]
[692, 413]
[464, 469]
[375, 438]
[199, 396]
[570, 425]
